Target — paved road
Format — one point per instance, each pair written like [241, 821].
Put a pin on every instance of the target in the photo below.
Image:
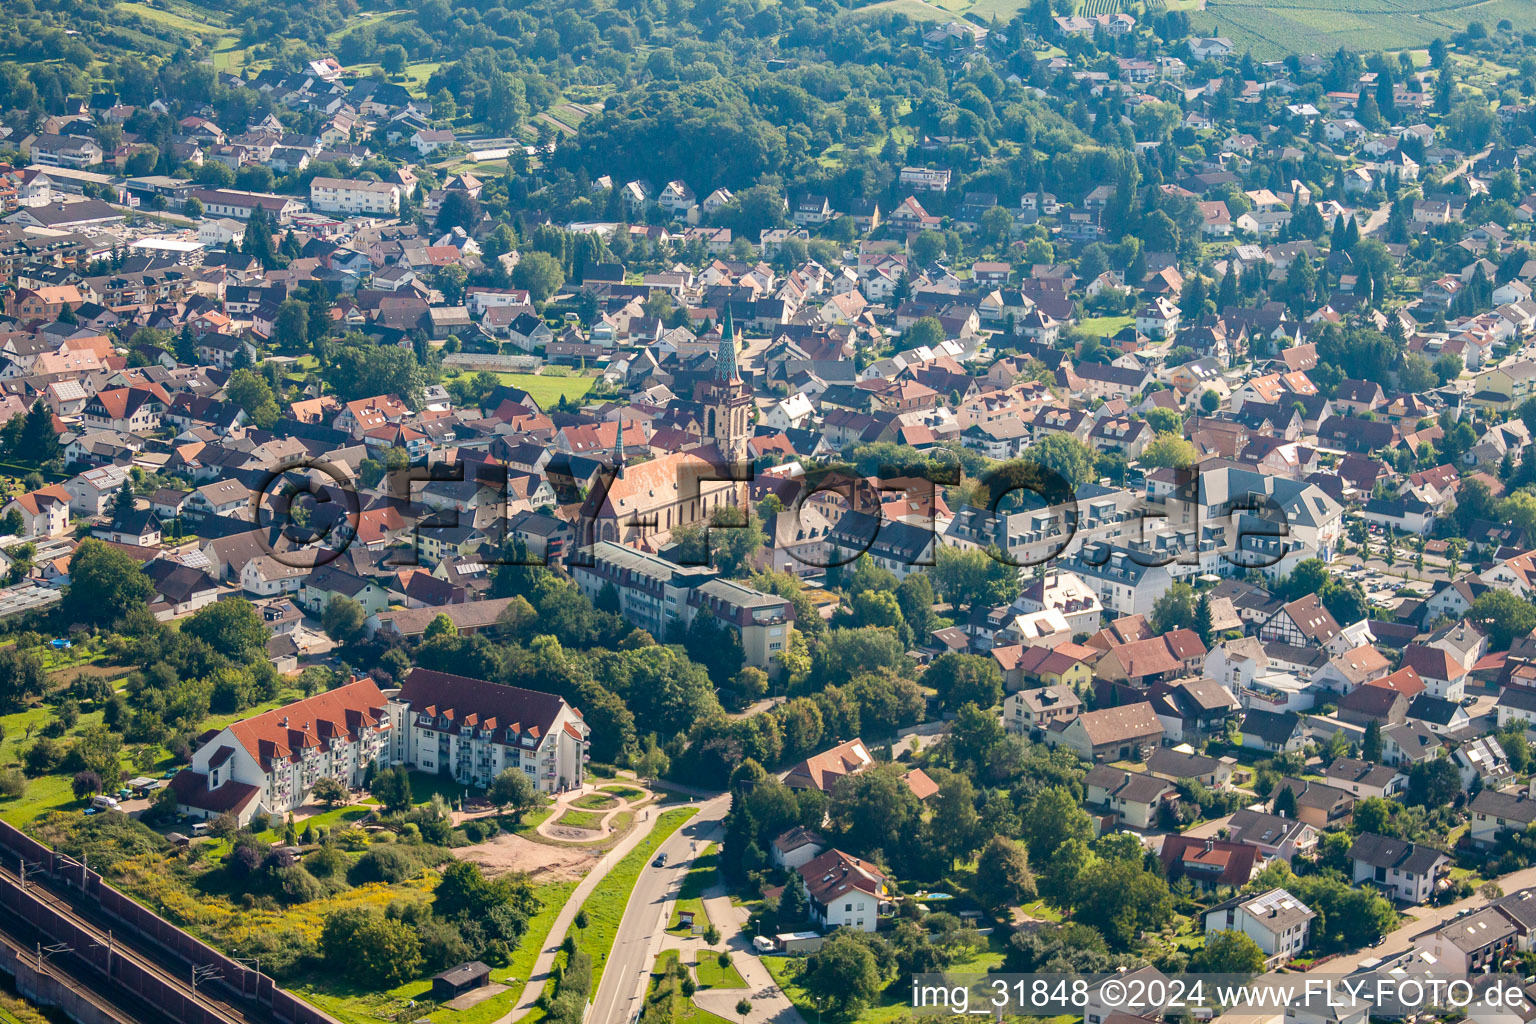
[1426, 919]
[621, 990]
[545, 963]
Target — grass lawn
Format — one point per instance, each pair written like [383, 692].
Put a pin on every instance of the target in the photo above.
[342, 817]
[892, 1007]
[711, 975]
[424, 784]
[596, 802]
[1106, 326]
[1040, 911]
[690, 895]
[548, 391]
[604, 908]
[663, 988]
[581, 819]
[624, 792]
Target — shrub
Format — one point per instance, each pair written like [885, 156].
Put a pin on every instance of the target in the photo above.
[394, 863]
[369, 948]
[12, 783]
[43, 756]
[327, 862]
[298, 885]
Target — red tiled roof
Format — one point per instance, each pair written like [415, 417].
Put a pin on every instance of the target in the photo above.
[312, 722]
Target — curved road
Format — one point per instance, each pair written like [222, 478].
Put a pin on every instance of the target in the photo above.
[621, 989]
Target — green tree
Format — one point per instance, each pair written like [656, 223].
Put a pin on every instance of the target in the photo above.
[965, 679]
[392, 59]
[1168, 451]
[392, 788]
[251, 392]
[364, 946]
[1121, 898]
[927, 247]
[232, 627]
[1070, 459]
[39, 442]
[540, 274]
[1374, 815]
[727, 543]
[329, 790]
[290, 328]
[1228, 952]
[1003, 877]
[1053, 817]
[843, 975]
[104, 585]
[973, 578]
[1433, 783]
[514, 791]
[1505, 617]
[924, 331]
[1175, 609]
[342, 619]
[440, 626]
[1370, 746]
[874, 810]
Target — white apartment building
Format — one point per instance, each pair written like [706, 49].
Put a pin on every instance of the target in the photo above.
[354, 195]
[473, 730]
[269, 764]
[654, 593]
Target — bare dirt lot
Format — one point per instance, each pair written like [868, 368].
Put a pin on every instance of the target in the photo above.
[514, 853]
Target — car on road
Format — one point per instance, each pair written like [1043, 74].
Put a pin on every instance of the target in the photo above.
[660, 861]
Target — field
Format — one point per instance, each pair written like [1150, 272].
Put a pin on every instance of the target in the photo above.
[195, 21]
[668, 1001]
[547, 390]
[359, 1006]
[1105, 326]
[581, 819]
[1322, 26]
[894, 1005]
[1272, 30]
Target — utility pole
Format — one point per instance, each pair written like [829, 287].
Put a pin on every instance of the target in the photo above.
[208, 972]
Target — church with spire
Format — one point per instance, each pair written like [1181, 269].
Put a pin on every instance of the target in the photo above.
[726, 400]
[642, 503]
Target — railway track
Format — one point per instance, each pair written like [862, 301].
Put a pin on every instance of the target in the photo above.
[97, 925]
[24, 940]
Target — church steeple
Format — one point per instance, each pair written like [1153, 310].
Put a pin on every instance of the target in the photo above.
[726, 370]
[619, 444]
[727, 399]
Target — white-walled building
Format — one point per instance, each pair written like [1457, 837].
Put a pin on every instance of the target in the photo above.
[354, 195]
[1276, 920]
[844, 891]
[473, 729]
[269, 764]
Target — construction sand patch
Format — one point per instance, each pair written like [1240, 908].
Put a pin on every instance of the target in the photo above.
[514, 853]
